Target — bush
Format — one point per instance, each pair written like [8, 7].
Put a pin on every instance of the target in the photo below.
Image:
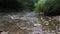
[49, 7]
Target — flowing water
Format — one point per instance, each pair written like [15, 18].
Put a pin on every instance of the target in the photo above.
[33, 18]
[30, 21]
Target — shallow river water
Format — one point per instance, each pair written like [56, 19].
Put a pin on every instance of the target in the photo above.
[29, 23]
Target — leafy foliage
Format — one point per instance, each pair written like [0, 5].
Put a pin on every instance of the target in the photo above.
[47, 6]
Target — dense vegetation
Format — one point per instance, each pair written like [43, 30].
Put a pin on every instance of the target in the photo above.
[49, 7]
[26, 4]
[16, 5]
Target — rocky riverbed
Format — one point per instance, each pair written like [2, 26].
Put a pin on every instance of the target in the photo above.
[29, 23]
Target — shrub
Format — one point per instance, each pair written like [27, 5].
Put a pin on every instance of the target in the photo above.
[49, 7]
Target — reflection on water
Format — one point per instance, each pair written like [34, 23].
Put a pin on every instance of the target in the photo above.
[30, 23]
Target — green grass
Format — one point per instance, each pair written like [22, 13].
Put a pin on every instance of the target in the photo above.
[47, 5]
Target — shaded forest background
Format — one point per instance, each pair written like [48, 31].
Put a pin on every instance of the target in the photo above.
[16, 5]
[49, 7]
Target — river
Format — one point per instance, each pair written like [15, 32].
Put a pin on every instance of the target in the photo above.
[29, 19]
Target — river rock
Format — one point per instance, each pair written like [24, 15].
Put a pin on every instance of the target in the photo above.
[4, 33]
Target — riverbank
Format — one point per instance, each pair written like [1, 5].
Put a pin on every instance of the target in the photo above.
[22, 23]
